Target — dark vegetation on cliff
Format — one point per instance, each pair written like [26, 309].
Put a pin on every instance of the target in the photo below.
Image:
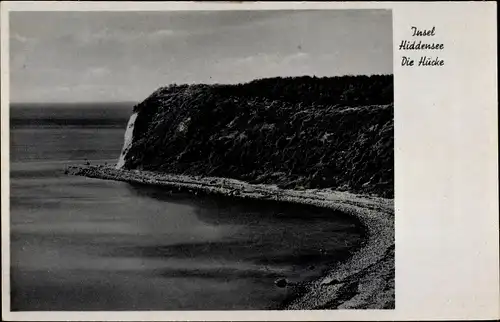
[300, 132]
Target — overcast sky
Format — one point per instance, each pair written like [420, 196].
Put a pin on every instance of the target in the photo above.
[124, 56]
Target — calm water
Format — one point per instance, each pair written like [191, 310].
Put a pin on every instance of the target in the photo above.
[88, 244]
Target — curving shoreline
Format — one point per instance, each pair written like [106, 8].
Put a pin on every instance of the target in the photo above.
[364, 281]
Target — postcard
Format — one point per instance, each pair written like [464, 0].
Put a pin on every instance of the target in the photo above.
[249, 161]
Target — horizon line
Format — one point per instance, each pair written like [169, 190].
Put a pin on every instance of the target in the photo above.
[74, 102]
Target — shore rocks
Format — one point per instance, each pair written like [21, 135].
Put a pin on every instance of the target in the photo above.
[281, 282]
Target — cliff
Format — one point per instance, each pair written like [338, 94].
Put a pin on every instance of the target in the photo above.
[298, 133]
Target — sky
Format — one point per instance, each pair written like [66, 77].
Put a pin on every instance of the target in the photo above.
[125, 56]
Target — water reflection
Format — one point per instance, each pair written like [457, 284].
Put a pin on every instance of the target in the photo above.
[266, 232]
[88, 244]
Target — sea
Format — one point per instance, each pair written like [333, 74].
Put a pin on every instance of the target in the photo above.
[82, 244]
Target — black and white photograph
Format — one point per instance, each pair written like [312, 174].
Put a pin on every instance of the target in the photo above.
[201, 160]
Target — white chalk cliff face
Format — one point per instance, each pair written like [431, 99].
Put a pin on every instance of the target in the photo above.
[127, 141]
